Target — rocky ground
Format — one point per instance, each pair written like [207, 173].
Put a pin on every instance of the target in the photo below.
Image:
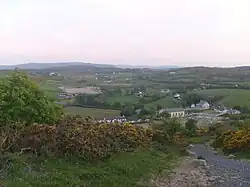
[191, 172]
[205, 168]
[232, 173]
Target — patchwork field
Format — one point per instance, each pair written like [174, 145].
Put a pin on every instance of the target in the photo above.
[93, 112]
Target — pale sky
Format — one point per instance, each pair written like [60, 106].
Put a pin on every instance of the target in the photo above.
[135, 32]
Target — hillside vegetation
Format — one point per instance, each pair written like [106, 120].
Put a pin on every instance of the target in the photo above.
[59, 150]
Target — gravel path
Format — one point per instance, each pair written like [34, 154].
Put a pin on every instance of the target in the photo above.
[232, 173]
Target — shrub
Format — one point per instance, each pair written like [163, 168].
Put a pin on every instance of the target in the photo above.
[170, 132]
[202, 131]
[191, 127]
[233, 141]
[171, 127]
[76, 136]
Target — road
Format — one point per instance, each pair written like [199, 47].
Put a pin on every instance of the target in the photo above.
[233, 173]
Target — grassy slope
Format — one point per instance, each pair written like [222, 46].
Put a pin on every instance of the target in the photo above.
[50, 88]
[123, 99]
[93, 112]
[166, 102]
[123, 170]
[231, 98]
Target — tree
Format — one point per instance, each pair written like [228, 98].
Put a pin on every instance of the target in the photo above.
[158, 107]
[191, 127]
[138, 106]
[22, 101]
[146, 112]
[191, 99]
[171, 127]
[117, 105]
[127, 110]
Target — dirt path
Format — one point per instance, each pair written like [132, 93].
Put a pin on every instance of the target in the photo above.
[205, 168]
[233, 173]
[190, 172]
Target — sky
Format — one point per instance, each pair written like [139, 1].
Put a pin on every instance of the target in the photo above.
[134, 32]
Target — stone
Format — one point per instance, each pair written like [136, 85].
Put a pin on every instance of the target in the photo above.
[201, 158]
[231, 156]
[190, 146]
[191, 153]
[214, 152]
[200, 163]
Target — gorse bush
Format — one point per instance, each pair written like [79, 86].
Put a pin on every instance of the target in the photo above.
[76, 136]
[233, 141]
[22, 101]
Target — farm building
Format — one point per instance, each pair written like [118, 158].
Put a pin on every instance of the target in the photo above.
[114, 119]
[173, 112]
[203, 104]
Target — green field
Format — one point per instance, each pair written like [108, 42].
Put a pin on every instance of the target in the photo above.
[50, 88]
[232, 97]
[123, 170]
[93, 112]
[123, 99]
[166, 102]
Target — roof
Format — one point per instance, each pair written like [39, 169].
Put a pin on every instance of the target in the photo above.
[172, 110]
[202, 102]
[115, 118]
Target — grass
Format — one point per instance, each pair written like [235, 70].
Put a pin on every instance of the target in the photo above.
[123, 170]
[200, 140]
[231, 98]
[93, 112]
[166, 102]
[123, 99]
[51, 94]
[50, 88]
[243, 155]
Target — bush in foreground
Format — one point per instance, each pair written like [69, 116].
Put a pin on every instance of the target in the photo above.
[75, 136]
[22, 101]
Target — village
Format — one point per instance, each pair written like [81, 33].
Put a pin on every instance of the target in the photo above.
[203, 112]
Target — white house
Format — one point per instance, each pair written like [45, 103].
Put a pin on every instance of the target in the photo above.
[172, 73]
[52, 74]
[203, 104]
[177, 95]
[139, 94]
[173, 112]
[165, 91]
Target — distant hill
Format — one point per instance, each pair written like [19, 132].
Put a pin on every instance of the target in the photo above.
[36, 66]
[166, 67]
[149, 67]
